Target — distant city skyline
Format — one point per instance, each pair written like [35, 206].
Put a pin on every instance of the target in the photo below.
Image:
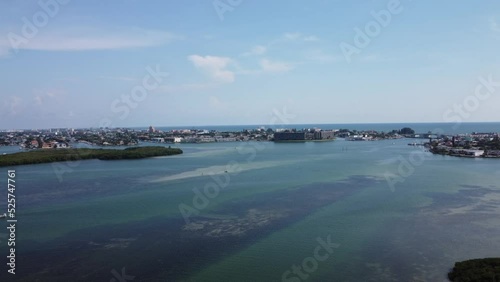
[81, 64]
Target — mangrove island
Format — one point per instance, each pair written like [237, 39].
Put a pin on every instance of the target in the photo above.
[75, 154]
[476, 270]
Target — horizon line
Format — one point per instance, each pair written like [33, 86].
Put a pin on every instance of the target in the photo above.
[257, 125]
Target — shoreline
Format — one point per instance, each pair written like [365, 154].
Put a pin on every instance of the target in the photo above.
[466, 156]
[303, 141]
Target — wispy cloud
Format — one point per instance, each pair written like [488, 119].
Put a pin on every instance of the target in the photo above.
[321, 57]
[85, 39]
[45, 96]
[186, 87]
[215, 67]
[256, 51]
[292, 36]
[281, 41]
[275, 67]
[310, 38]
[295, 36]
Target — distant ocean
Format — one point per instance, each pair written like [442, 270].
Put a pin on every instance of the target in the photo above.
[447, 128]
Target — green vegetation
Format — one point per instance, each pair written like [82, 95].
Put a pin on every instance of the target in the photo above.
[476, 270]
[407, 131]
[490, 144]
[59, 155]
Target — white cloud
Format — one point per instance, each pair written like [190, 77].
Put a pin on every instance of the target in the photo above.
[311, 38]
[274, 67]
[47, 97]
[294, 36]
[215, 67]
[257, 50]
[83, 39]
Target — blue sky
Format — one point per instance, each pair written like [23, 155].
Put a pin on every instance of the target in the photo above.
[241, 61]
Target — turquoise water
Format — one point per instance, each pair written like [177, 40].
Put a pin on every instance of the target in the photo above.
[272, 204]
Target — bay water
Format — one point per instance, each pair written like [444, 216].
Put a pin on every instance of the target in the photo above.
[257, 211]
